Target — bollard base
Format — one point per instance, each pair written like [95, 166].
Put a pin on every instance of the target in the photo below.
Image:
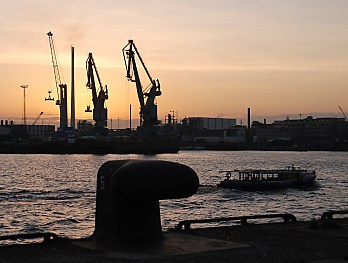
[134, 221]
[172, 244]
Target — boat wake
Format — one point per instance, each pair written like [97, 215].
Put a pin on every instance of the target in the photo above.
[206, 189]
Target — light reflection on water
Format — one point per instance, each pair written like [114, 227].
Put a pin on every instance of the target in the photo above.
[57, 192]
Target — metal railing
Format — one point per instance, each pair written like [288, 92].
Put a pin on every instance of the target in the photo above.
[243, 220]
[329, 214]
[46, 236]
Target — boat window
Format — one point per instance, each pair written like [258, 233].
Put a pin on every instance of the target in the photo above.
[275, 176]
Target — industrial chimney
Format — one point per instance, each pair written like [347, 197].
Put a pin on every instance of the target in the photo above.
[248, 131]
[72, 121]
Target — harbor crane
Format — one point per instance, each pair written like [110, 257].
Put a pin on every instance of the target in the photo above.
[148, 108]
[98, 98]
[37, 118]
[344, 115]
[62, 100]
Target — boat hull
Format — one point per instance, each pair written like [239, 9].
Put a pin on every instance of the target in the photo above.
[303, 181]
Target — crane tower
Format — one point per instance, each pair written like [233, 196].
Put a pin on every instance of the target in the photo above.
[62, 100]
[98, 98]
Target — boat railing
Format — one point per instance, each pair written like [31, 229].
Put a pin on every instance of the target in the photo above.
[252, 175]
[263, 174]
[294, 168]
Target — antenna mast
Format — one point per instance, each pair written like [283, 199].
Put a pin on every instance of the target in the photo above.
[24, 117]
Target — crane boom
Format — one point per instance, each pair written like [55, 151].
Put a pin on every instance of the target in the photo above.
[132, 71]
[37, 118]
[55, 64]
[148, 109]
[345, 116]
[99, 110]
[141, 60]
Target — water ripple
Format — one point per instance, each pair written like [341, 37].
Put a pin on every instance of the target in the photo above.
[38, 193]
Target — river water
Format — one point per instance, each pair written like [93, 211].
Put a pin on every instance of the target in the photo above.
[56, 193]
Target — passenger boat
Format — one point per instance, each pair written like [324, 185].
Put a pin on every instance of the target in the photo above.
[259, 180]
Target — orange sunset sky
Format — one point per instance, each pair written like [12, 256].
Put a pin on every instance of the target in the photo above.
[213, 58]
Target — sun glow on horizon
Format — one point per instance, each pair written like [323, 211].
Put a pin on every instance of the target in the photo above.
[212, 59]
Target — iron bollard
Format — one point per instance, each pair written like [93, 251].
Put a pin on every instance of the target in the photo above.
[128, 194]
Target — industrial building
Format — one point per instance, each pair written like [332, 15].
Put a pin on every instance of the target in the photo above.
[306, 133]
[17, 132]
[203, 131]
[202, 123]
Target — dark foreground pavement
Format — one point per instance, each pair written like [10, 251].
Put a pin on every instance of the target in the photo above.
[316, 241]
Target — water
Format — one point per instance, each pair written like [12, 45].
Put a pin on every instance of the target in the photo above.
[57, 192]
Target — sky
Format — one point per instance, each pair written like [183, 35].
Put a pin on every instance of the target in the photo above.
[213, 58]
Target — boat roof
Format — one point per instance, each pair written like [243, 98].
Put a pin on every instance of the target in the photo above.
[286, 169]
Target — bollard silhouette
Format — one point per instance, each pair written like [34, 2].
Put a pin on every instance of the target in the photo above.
[128, 194]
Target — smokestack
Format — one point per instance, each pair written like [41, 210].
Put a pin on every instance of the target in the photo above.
[248, 118]
[248, 131]
[130, 116]
[72, 121]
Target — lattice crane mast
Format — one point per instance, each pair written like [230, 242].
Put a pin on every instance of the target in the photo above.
[148, 108]
[98, 97]
[61, 88]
